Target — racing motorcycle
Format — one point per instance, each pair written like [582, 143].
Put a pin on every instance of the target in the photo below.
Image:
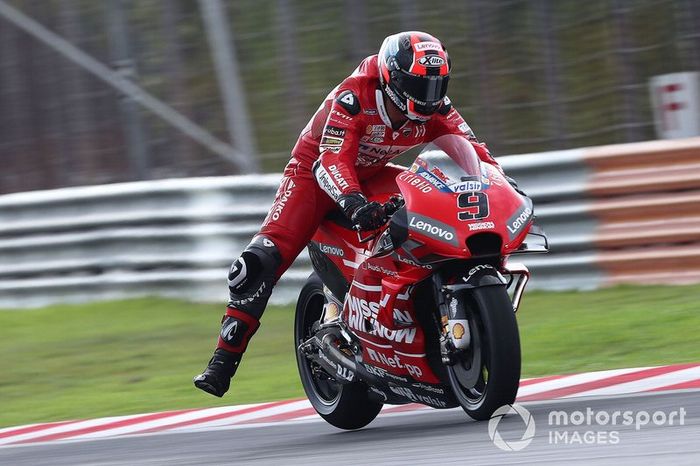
[423, 309]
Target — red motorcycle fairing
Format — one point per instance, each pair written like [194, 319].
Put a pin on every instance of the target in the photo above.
[339, 245]
[442, 220]
[399, 347]
[396, 345]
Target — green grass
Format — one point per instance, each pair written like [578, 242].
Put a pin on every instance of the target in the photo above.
[620, 327]
[69, 362]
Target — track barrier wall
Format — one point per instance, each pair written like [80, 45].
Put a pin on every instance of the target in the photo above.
[626, 213]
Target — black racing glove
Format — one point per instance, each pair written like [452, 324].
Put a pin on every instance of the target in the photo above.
[363, 214]
[370, 216]
[512, 182]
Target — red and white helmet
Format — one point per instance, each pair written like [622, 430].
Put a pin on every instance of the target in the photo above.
[414, 70]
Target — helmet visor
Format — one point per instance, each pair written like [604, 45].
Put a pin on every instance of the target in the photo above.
[421, 89]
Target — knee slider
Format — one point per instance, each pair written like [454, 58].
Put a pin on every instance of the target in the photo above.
[253, 275]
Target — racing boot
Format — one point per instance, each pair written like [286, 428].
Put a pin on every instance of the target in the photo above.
[250, 281]
[216, 378]
[237, 327]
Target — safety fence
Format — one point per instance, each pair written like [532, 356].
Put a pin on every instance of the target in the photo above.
[614, 214]
[528, 76]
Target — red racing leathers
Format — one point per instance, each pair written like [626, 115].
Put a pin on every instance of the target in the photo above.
[351, 138]
[344, 149]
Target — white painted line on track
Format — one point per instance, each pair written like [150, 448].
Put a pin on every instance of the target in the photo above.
[171, 420]
[297, 411]
[645, 384]
[571, 380]
[423, 411]
[251, 416]
[64, 428]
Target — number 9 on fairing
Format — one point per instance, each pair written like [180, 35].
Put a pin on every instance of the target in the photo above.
[476, 203]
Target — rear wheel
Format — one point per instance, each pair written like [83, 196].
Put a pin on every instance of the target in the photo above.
[486, 376]
[346, 406]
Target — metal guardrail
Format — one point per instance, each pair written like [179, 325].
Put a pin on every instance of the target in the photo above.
[169, 237]
[177, 237]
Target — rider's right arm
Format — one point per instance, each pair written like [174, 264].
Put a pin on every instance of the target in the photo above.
[340, 141]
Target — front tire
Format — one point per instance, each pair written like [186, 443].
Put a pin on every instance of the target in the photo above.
[486, 376]
[346, 406]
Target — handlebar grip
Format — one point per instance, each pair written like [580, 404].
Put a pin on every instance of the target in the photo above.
[392, 205]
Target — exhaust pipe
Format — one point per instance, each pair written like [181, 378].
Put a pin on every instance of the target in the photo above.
[343, 368]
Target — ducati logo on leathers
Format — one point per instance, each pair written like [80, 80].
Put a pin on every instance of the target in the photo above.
[327, 182]
[338, 177]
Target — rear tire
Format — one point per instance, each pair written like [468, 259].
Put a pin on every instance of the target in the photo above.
[346, 406]
[491, 366]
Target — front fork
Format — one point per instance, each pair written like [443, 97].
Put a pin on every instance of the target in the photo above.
[519, 276]
[455, 325]
[455, 335]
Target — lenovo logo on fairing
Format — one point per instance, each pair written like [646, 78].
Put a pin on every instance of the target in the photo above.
[519, 220]
[434, 228]
[332, 250]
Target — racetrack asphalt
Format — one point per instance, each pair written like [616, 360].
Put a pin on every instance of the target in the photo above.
[425, 437]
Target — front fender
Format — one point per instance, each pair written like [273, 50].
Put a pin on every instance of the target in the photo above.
[452, 302]
[481, 275]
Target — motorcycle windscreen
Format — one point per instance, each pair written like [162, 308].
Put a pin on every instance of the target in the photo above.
[461, 164]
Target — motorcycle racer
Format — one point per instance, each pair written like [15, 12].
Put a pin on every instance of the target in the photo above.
[392, 102]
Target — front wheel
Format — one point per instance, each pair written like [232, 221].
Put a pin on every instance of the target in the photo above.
[486, 375]
[346, 406]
